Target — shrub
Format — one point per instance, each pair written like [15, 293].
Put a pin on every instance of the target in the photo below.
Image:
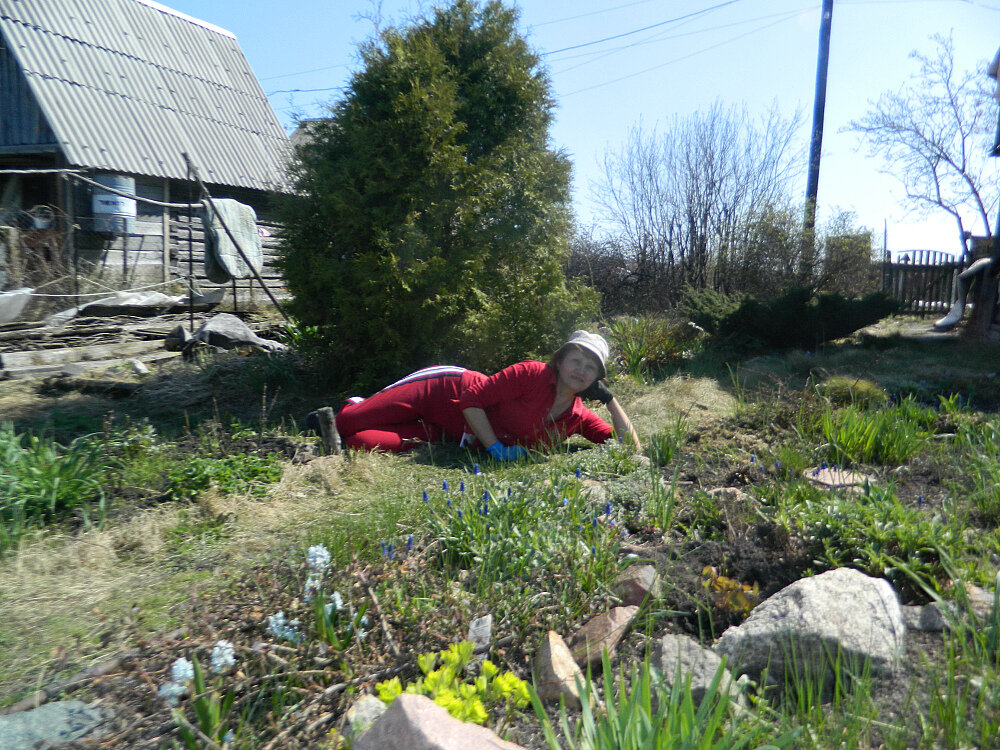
[798, 319]
[841, 390]
[707, 308]
[430, 218]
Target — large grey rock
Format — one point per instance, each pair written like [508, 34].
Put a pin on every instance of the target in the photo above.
[226, 331]
[803, 627]
[415, 722]
[682, 656]
[60, 721]
[557, 674]
[604, 631]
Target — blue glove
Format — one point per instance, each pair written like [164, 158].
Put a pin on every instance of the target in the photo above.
[502, 452]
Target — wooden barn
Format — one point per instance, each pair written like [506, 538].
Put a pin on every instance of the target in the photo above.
[105, 106]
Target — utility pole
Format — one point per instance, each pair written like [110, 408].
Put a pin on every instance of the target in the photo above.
[808, 256]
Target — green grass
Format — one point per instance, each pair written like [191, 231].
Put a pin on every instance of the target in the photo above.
[533, 561]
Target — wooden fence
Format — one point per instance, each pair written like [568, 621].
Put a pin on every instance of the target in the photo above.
[922, 280]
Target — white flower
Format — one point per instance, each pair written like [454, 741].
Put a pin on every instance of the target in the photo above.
[337, 601]
[318, 558]
[182, 671]
[223, 656]
[310, 589]
[171, 692]
[278, 627]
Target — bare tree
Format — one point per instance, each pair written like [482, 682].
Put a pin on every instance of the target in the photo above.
[934, 134]
[681, 201]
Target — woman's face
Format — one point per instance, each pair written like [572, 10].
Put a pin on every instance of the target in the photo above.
[578, 370]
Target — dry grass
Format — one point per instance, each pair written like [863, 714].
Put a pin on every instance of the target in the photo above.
[697, 399]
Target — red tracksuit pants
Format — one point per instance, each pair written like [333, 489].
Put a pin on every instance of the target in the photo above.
[422, 407]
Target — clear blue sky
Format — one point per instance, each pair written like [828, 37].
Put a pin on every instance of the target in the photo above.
[745, 51]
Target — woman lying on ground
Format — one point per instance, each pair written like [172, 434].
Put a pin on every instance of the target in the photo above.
[527, 405]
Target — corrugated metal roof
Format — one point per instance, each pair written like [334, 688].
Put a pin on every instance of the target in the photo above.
[130, 85]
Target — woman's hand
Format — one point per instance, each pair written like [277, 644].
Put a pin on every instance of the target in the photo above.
[502, 452]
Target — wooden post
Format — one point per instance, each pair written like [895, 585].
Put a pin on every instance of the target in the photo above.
[328, 428]
[165, 223]
[984, 304]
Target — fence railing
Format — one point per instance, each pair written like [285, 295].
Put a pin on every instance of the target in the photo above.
[923, 281]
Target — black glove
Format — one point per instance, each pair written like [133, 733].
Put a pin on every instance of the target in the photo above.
[598, 391]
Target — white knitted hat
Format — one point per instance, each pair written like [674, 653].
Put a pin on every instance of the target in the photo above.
[594, 343]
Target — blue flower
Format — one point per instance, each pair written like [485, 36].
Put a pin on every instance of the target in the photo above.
[385, 550]
[578, 474]
[579, 527]
[461, 486]
[753, 459]
[409, 543]
[449, 503]
[777, 464]
[475, 469]
[391, 550]
[607, 509]
[594, 523]
[486, 494]
[823, 465]
[426, 498]
[565, 501]
[459, 514]
[444, 485]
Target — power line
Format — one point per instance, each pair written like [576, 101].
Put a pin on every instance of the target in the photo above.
[677, 59]
[302, 72]
[306, 91]
[592, 13]
[659, 38]
[644, 28]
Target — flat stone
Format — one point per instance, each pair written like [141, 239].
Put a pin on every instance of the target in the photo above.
[929, 618]
[636, 584]
[556, 672]
[680, 656]
[980, 601]
[602, 632]
[837, 478]
[60, 721]
[415, 722]
[481, 633]
[362, 714]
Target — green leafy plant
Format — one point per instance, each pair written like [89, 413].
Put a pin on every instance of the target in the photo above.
[337, 624]
[645, 713]
[977, 456]
[41, 480]
[644, 346]
[211, 710]
[230, 474]
[472, 700]
[890, 436]
[728, 593]
[664, 444]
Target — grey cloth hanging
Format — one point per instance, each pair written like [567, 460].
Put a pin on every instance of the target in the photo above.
[222, 259]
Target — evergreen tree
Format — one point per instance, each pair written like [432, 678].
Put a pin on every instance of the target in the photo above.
[430, 221]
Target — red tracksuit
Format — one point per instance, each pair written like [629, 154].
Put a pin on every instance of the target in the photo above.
[427, 405]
